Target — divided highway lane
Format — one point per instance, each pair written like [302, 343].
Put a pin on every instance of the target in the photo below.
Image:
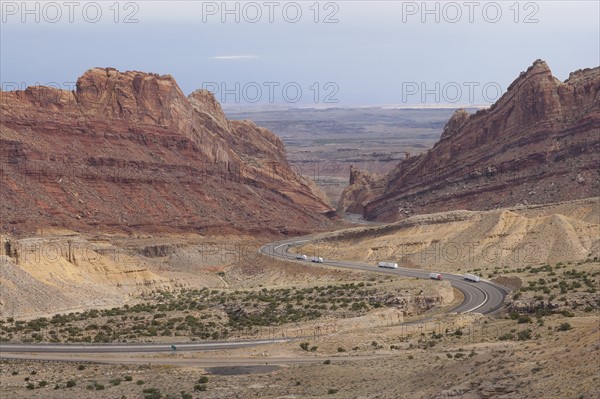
[130, 348]
[483, 297]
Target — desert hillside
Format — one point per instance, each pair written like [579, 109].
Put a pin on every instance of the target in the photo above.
[128, 151]
[489, 241]
[539, 143]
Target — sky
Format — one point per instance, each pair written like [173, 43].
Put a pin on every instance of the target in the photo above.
[303, 53]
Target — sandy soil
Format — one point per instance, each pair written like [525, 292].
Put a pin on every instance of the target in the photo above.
[552, 364]
[462, 241]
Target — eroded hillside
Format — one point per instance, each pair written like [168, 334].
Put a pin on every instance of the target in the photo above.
[127, 151]
[539, 143]
[489, 241]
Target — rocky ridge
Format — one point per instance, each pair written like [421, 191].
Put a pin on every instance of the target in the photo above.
[128, 151]
[539, 143]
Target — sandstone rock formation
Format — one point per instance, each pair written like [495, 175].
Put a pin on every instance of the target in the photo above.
[363, 186]
[128, 151]
[539, 143]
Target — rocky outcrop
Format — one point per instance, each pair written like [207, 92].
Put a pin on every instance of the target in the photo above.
[128, 151]
[539, 143]
[363, 187]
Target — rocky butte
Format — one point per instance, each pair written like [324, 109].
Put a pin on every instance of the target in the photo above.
[128, 151]
[539, 143]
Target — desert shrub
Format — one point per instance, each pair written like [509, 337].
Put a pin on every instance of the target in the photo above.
[200, 387]
[524, 335]
[564, 327]
[523, 319]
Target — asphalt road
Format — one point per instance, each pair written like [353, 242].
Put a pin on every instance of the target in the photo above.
[131, 348]
[482, 297]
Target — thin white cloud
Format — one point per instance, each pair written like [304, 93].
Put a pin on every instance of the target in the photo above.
[235, 57]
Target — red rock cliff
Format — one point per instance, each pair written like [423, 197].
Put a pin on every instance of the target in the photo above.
[539, 143]
[128, 151]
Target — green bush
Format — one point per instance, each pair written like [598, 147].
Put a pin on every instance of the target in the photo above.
[564, 327]
[152, 393]
[200, 387]
[331, 391]
[71, 383]
[524, 335]
[523, 319]
[506, 336]
[203, 380]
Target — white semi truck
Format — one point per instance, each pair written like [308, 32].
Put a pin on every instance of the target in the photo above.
[317, 259]
[435, 276]
[389, 265]
[472, 277]
[301, 257]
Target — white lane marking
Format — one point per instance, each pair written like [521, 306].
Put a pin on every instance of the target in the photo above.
[485, 299]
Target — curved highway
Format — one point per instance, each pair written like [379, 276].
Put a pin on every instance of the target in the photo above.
[482, 297]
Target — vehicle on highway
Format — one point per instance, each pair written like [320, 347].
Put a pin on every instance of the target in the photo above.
[389, 265]
[472, 277]
[301, 257]
[317, 259]
[435, 276]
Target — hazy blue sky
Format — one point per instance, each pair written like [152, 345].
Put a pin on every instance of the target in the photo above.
[370, 53]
